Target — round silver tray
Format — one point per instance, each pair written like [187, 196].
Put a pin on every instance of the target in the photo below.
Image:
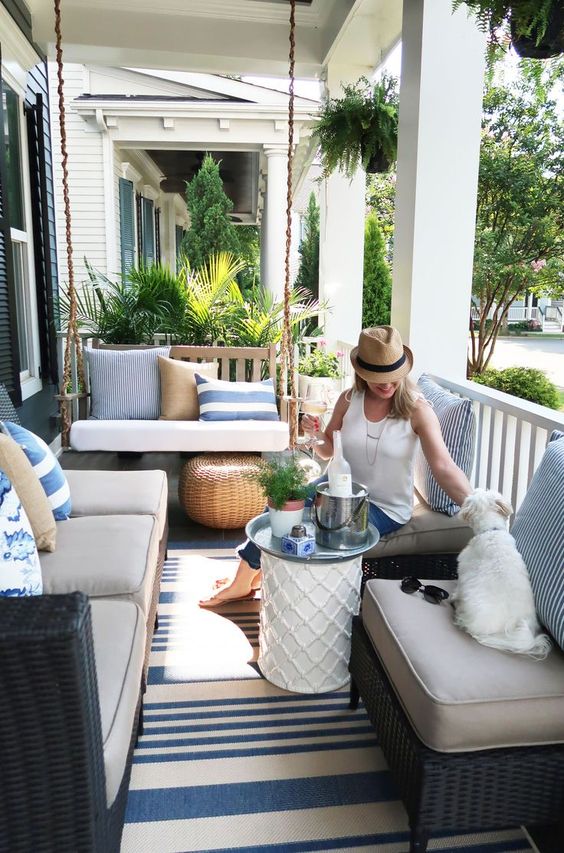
[258, 531]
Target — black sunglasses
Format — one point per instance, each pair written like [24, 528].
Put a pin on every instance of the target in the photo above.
[432, 594]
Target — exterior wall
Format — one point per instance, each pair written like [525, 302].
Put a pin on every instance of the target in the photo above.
[86, 182]
[32, 392]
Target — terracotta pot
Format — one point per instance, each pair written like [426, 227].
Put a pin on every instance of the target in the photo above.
[282, 520]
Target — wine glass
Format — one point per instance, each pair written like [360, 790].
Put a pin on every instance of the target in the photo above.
[315, 404]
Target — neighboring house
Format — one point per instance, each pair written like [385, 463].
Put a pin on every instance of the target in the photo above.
[28, 260]
[134, 139]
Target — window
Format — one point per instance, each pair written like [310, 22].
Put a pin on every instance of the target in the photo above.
[19, 217]
[148, 226]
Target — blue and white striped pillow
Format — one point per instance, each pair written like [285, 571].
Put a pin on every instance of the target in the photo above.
[538, 534]
[125, 384]
[236, 401]
[46, 466]
[458, 426]
[20, 569]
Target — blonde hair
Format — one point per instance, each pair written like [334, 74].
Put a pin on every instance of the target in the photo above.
[404, 399]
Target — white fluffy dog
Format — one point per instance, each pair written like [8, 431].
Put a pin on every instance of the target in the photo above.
[493, 598]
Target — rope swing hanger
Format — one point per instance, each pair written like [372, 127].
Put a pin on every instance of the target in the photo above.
[66, 395]
[286, 348]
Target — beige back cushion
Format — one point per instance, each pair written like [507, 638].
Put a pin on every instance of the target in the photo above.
[179, 397]
[30, 492]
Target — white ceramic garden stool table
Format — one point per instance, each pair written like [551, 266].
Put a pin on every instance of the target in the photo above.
[307, 605]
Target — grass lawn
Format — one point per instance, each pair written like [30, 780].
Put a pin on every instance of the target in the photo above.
[561, 398]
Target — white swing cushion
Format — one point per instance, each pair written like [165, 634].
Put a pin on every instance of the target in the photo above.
[145, 436]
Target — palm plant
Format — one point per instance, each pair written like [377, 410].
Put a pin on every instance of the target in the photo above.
[131, 311]
[260, 320]
[212, 300]
[359, 129]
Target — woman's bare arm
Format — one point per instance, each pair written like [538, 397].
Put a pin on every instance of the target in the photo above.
[325, 450]
[447, 474]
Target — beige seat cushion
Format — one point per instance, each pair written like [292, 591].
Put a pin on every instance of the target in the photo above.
[428, 532]
[118, 629]
[31, 493]
[109, 556]
[458, 694]
[179, 397]
[119, 493]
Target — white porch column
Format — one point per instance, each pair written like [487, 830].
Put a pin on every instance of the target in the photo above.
[341, 236]
[168, 231]
[263, 251]
[438, 156]
[274, 235]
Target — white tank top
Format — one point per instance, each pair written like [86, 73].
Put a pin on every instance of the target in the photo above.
[381, 455]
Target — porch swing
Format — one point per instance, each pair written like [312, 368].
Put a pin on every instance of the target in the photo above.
[73, 387]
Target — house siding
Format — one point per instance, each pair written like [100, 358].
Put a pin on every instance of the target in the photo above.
[86, 182]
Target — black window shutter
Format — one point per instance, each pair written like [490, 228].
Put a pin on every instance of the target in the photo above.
[9, 352]
[179, 232]
[158, 235]
[43, 216]
[148, 232]
[127, 225]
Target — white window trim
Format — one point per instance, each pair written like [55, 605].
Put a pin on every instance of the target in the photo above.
[30, 381]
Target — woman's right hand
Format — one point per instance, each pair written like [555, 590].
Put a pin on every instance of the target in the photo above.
[311, 424]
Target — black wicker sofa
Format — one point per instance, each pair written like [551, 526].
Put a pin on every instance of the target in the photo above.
[474, 737]
[73, 665]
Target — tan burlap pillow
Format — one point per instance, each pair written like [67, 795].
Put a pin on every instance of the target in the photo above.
[179, 398]
[30, 492]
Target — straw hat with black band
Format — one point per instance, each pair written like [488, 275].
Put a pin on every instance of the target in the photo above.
[381, 356]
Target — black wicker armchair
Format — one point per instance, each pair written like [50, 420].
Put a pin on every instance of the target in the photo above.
[52, 779]
[454, 791]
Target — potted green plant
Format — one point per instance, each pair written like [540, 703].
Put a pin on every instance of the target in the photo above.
[359, 129]
[284, 482]
[322, 368]
[535, 28]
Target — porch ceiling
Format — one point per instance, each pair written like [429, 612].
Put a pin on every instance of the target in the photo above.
[221, 36]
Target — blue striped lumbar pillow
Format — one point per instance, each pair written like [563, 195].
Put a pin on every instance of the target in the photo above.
[46, 467]
[236, 401]
[458, 426]
[125, 384]
[537, 531]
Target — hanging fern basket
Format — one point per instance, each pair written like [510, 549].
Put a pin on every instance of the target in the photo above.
[551, 43]
[378, 163]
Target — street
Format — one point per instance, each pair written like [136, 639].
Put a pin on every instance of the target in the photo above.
[546, 354]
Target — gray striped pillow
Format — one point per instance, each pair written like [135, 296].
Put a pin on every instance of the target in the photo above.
[537, 531]
[125, 384]
[458, 427]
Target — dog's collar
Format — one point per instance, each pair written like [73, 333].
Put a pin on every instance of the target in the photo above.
[490, 530]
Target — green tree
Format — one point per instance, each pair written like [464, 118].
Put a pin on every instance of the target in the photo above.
[519, 243]
[308, 273]
[249, 252]
[211, 230]
[377, 284]
[380, 199]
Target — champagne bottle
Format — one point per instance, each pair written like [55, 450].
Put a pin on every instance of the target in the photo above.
[339, 470]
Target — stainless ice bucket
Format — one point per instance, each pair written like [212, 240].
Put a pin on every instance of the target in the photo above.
[340, 523]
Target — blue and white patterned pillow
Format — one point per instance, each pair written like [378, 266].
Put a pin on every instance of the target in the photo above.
[236, 401]
[458, 427]
[538, 534]
[556, 434]
[20, 569]
[46, 466]
[125, 384]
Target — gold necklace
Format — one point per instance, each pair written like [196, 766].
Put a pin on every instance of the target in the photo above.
[374, 438]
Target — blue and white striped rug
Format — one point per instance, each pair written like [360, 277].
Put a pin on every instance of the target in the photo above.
[227, 761]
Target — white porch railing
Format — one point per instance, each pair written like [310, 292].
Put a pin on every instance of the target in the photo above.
[515, 314]
[511, 434]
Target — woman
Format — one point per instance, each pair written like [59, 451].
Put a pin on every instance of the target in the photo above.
[383, 419]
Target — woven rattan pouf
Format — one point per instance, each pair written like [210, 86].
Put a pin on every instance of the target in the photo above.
[215, 489]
